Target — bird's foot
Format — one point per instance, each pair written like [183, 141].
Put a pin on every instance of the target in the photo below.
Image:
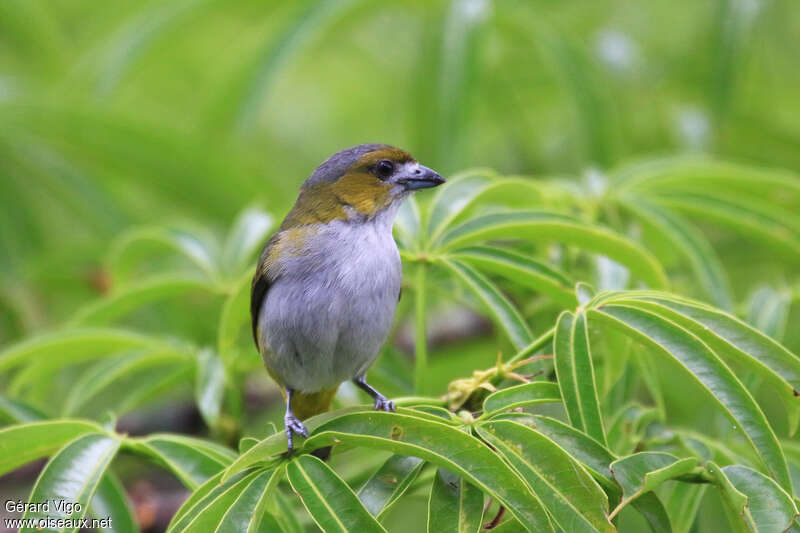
[293, 427]
[382, 404]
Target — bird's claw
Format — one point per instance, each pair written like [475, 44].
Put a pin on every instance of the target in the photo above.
[293, 427]
[382, 404]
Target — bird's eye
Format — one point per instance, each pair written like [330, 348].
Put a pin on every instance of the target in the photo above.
[384, 169]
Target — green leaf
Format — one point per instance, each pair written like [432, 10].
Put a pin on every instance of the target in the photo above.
[131, 297]
[18, 412]
[234, 316]
[192, 460]
[521, 395]
[682, 502]
[628, 426]
[732, 339]
[199, 249]
[407, 224]
[522, 270]
[692, 244]
[768, 310]
[501, 309]
[765, 221]
[75, 345]
[205, 510]
[590, 453]
[714, 376]
[650, 507]
[331, 503]
[443, 445]
[275, 445]
[454, 506]
[452, 198]
[389, 483]
[575, 375]
[72, 476]
[110, 501]
[756, 502]
[643, 472]
[575, 501]
[210, 386]
[24, 443]
[248, 234]
[540, 225]
[107, 372]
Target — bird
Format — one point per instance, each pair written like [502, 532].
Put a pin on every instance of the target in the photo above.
[327, 283]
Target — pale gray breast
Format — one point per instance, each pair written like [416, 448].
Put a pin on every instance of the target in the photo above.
[325, 320]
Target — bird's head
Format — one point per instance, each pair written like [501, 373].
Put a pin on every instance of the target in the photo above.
[358, 184]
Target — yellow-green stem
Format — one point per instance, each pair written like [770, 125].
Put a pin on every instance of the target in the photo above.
[535, 346]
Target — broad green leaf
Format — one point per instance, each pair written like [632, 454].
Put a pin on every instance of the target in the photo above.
[682, 501]
[24, 443]
[247, 512]
[107, 372]
[234, 316]
[407, 224]
[275, 445]
[110, 501]
[118, 303]
[198, 495]
[192, 460]
[709, 371]
[209, 386]
[520, 269]
[331, 503]
[200, 249]
[454, 506]
[763, 220]
[652, 509]
[643, 472]
[248, 233]
[628, 425]
[443, 445]
[575, 501]
[522, 395]
[75, 345]
[72, 476]
[389, 482]
[768, 310]
[730, 338]
[501, 309]
[240, 508]
[755, 500]
[205, 509]
[692, 244]
[452, 197]
[590, 453]
[575, 375]
[540, 225]
[18, 412]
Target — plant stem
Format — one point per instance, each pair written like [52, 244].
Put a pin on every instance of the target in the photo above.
[420, 341]
[534, 346]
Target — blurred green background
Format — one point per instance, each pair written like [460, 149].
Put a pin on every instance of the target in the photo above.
[126, 113]
[183, 114]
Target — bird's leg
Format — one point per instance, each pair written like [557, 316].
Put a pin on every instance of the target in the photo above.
[292, 423]
[381, 403]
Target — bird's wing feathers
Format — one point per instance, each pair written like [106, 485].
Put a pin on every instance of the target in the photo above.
[260, 286]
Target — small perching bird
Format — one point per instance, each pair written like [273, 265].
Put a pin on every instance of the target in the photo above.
[327, 283]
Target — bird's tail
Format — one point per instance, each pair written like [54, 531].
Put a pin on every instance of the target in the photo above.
[305, 405]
